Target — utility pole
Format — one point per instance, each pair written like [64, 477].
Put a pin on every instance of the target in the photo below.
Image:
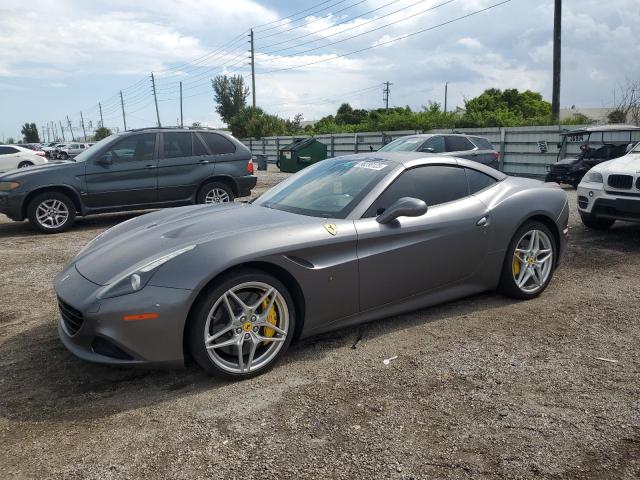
[73, 138]
[55, 131]
[84, 132]
[48, 136]
[62, 131]
[101, 119]
[155, 98]
[124, 118]
[44, 134]
[446, 94]
[557, 49]
[385, 95]
[181, 119]
[253, 70]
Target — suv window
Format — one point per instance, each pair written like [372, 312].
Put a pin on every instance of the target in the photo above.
[218, 144]
[198, 146]
[478, 180]
[457, 144]
[482, 143]
[177, 144]
[436, 143]
[435, 184]
[133, 147]
[7, 150]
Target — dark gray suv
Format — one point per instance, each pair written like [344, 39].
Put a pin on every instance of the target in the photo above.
[137, 169]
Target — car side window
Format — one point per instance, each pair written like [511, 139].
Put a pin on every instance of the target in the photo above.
[177, 144]
[134, 147]
[482, 143]
[218, 144]
[454, 143]
[435, 143]
[198, 146]
[435, 184]
[478, 180]
[7, 150]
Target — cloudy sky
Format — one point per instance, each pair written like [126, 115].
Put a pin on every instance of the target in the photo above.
[61, 57]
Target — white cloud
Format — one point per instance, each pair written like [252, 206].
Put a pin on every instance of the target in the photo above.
[472, 43]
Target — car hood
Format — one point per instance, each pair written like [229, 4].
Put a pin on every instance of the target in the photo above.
[143, 239]
[629, 163]
[45, 168]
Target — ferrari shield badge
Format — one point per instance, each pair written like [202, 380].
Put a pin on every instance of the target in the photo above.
[331, 228]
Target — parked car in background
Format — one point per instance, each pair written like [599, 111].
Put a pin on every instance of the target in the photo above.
[55, 153]
[133, 170]
[610, 191]
[28, 146]
[478, 149]
[72, 150]
[47, 148]
[583, 148]
[13, 156]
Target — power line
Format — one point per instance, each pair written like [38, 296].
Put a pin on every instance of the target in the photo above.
[305, 12]
[380, 44]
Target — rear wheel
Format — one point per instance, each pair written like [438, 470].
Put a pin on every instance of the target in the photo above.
[596, 223]
[242, 326]
[25, 164]
[64, 155]
[215, 193]
[530, 261]
[51, 212]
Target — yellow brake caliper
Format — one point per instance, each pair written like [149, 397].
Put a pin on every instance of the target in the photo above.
[516, 265]
[272, 318]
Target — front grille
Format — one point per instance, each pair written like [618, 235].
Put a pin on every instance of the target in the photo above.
[583, 202]
[620, 181]
[71, 317]
[102, 346]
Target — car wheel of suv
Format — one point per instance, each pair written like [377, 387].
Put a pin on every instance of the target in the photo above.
[530, 262]
[596, 223]
[242, 325]
[64, 156]
[214, 193]
[51, 212]
[25, 164]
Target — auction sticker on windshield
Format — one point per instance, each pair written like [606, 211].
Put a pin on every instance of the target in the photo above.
[371, 165]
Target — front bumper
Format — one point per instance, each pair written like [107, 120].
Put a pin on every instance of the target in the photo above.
[11, 205]
[246, 184]
[594, 200]
[97, 331]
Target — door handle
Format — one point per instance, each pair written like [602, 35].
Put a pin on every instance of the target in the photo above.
[150, 166]
[483, 222]
[203, 162]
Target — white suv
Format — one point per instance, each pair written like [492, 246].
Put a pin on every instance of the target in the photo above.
[610, 191]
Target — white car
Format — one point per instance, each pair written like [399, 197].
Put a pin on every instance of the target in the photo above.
[72, 150]
[610, 191]
[12, 157]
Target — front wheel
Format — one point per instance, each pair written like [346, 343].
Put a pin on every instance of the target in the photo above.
[596, 223]
[51, 212]
[25, 164]
[215, 193]
[242, 326]
[530, 261]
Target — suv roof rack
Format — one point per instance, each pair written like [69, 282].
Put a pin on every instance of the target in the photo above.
[172, 128]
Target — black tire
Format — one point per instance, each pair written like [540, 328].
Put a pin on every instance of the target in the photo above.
[64, 156]
[25, 164]
[209, 187]
[39, 199]
[200, 313]
[596, 223]
[507, 285]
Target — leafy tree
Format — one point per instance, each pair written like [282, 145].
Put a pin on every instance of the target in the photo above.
[294, 126]
[497, 108]
[196, 125]
[102, 132]
[30, 133]
[10, 141]
[617, 116]
[256, 123]
[230, 95]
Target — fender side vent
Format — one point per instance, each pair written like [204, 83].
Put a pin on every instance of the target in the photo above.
[300, 261]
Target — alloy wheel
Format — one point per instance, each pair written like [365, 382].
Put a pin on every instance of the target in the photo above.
[246, 327]
[532, 261]
[52, 213]
[217, 195]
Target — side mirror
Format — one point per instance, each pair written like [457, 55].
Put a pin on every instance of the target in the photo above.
[428, 149]
[403, 207]
[105, 160]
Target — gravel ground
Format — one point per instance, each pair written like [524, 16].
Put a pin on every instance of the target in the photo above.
[484, 387]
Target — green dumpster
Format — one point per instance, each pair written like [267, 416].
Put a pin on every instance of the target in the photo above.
[301, 153]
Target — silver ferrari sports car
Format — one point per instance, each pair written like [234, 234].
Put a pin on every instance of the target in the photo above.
[345, 241]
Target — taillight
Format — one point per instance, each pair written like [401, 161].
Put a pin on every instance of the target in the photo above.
[250, 167]
[39, 153]
[496, 156]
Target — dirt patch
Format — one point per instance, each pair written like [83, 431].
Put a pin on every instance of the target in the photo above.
[484, 387]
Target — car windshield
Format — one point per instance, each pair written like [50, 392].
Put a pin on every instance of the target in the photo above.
[89, 151]
[329, 189]
[404, 144]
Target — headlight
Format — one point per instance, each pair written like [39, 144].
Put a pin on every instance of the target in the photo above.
[137, 278]
[6, 186]
[593, 177]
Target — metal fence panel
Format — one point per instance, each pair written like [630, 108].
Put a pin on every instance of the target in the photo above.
[524, 151]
